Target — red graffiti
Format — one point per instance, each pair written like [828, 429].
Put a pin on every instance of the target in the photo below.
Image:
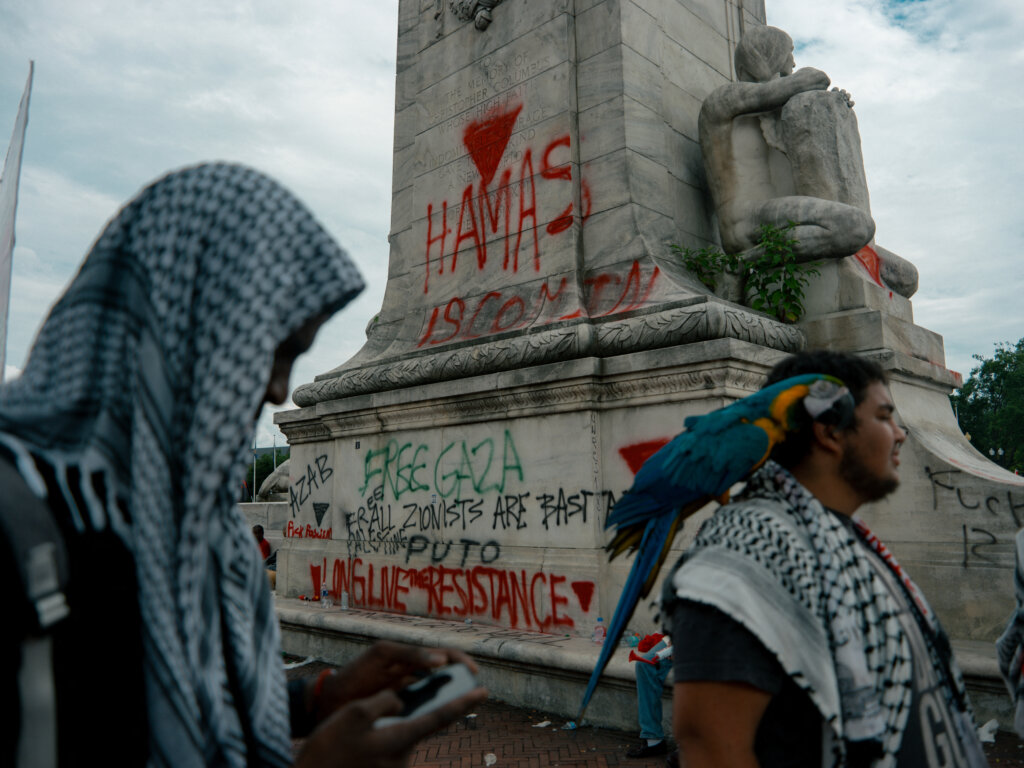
[486, 140]
[868, 259]
[636, 454]
[519, 306]
[631, 294]
[584, 593]
[486, 214]
[523, 600]
[293, 531]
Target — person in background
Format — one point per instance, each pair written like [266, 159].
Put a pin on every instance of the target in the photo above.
[653, 657]
[264, 545]
[127, 431]
[1010, 645]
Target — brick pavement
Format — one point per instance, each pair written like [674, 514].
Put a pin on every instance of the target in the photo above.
[509, 734]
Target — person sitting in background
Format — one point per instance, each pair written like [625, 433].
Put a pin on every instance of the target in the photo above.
[653, 657]
[264, 545]
[129, 428]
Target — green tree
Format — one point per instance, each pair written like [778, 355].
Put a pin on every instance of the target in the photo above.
[990, 405]
[264, 466]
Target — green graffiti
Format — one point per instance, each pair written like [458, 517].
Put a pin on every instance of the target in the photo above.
[396, 473]
[394, 468]
[474, 465]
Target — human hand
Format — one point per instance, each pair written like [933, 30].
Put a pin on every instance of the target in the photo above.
[815, 78]
[386, 665]
[846, 96]
[348, 737]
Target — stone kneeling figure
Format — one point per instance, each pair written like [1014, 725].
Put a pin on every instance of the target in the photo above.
[779, 147]
[275, 487]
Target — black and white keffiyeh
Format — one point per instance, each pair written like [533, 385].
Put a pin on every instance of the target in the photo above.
[796, 577]
[1010, 645]
[143, 384]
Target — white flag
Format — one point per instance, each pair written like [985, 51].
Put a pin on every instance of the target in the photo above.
[8, 208]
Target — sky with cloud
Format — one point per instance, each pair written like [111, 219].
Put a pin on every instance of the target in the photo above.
[304, 91]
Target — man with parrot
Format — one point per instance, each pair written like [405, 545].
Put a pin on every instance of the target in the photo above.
[798, 639]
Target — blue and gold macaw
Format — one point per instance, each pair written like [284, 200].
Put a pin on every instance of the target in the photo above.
[716, 451]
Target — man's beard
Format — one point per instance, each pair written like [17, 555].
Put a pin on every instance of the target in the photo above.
[871, 487]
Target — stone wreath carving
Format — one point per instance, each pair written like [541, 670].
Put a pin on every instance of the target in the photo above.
[477, 11]
[692, 322]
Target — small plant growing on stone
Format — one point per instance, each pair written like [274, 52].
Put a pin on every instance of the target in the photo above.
[708, 264]
[772, 276]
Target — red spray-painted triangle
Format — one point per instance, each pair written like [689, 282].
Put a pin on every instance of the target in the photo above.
[636, 454]
[584, 593]
[487, 139]
[868, 257]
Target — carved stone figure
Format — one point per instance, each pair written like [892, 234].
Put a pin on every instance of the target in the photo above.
[477, 11]
[275, 487]
[780, 147]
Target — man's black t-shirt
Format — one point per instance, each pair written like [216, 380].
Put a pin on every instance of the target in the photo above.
[712, 646]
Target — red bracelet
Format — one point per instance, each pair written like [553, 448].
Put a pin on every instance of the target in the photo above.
[318, 687]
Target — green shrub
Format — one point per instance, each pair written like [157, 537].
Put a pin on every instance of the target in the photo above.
[771, 275]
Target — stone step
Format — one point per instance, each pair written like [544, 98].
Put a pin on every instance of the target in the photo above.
[528, 669]
[547, 671]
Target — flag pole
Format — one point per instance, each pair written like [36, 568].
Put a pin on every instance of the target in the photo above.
[8, 209]
[253, 468]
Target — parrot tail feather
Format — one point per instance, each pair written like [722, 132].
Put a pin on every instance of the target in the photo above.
[626, 540]
[676, 526]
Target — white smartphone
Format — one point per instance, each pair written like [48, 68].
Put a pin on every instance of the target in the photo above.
[433, 691]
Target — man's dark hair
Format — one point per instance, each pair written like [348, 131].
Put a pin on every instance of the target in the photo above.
[257, 531]
[855, 372]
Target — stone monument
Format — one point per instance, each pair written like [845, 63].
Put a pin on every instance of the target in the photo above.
[537, 339]
[780, 149]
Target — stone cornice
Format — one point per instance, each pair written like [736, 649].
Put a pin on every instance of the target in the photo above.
[693, 322]
[694, 381]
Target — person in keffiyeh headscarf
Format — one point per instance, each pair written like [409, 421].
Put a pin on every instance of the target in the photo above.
[799, 639]
[131, 420]
[1010, 645]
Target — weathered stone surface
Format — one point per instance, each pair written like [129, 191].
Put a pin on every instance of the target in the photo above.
[844, 284]
[502, 478]
[597, 28]
[681, 110]
[512, 143]
[688, 30]
[822, 143]
[864, 330]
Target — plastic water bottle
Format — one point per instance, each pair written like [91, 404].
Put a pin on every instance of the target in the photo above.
[600, 631]
[325, 598]
[344, 600]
